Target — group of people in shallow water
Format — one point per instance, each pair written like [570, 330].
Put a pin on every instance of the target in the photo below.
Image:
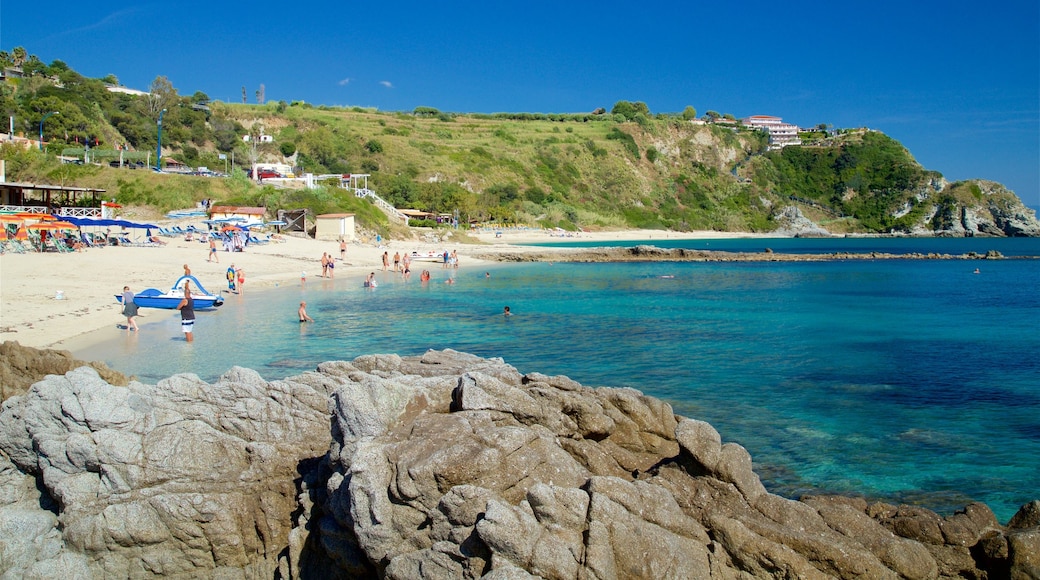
[236, 280]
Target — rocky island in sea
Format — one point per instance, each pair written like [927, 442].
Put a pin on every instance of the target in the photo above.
[445, 465]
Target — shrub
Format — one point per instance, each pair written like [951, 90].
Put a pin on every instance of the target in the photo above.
[626, 140]
[374, 146]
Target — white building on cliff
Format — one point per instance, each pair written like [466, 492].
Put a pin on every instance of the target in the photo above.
[780, 134]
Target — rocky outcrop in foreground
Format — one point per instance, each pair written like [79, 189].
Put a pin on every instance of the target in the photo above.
[440, 466]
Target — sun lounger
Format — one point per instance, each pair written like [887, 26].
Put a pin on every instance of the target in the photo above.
[13, 246]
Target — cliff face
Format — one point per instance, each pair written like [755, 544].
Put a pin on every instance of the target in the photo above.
[440, 466]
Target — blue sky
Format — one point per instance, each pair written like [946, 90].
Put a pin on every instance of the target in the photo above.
[957, 82]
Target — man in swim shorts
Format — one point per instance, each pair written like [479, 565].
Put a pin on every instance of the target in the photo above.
[303, 313]
[187, 308]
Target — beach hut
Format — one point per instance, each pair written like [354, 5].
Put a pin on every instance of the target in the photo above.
[333, 226]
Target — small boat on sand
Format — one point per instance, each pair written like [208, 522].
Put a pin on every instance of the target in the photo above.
[155, 298]
[429, 256]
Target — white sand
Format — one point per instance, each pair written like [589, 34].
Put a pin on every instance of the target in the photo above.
[90, 279]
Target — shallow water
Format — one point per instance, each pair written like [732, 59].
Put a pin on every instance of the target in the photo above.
[909, 381]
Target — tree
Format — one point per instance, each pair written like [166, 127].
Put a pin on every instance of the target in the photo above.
[629, 110]
[713, 115]
[161, 95]
[689, 113]
[19, 56]
[254, 140]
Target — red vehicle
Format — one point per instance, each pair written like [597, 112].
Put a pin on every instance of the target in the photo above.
[266, 174]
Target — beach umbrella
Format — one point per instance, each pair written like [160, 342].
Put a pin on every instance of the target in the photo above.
[3, 234]
[21, 234]
[10, 218]
[48, 226]
[28, 215]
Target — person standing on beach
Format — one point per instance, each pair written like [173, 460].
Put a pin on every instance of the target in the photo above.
[213, 251]
[241, 279]
[332, 266]
[231, 278]
[324, 264]
[386, 260]
[187, 308]
[342, 249]
[303, 313]
[397, 261]
[129, 309]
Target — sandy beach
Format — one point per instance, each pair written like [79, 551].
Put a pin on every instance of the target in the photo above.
[88, 281]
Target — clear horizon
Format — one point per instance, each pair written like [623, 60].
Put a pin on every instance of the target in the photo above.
[958, 86]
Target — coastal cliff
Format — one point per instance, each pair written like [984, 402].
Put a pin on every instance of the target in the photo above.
[445, 465]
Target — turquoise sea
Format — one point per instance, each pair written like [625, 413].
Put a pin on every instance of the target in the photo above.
[901, 380]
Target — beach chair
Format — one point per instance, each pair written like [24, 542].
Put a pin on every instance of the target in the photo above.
[56, 244]
[89, 241]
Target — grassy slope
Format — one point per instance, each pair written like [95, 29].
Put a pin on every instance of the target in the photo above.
[666, 173]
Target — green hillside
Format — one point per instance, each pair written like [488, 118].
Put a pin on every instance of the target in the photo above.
[626, 167]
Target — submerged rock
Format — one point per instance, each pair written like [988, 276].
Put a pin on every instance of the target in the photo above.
[441, 466]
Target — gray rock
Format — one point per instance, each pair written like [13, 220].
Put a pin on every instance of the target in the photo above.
[440, 466]
[181, 478]
[510, 477]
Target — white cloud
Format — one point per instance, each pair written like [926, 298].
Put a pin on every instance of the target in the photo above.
[386, 84]
[344, 82]
[118, 18]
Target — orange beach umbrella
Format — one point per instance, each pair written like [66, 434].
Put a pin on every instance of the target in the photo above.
[10, 218]
[21, 234]
[51, 226]
[28, 215]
